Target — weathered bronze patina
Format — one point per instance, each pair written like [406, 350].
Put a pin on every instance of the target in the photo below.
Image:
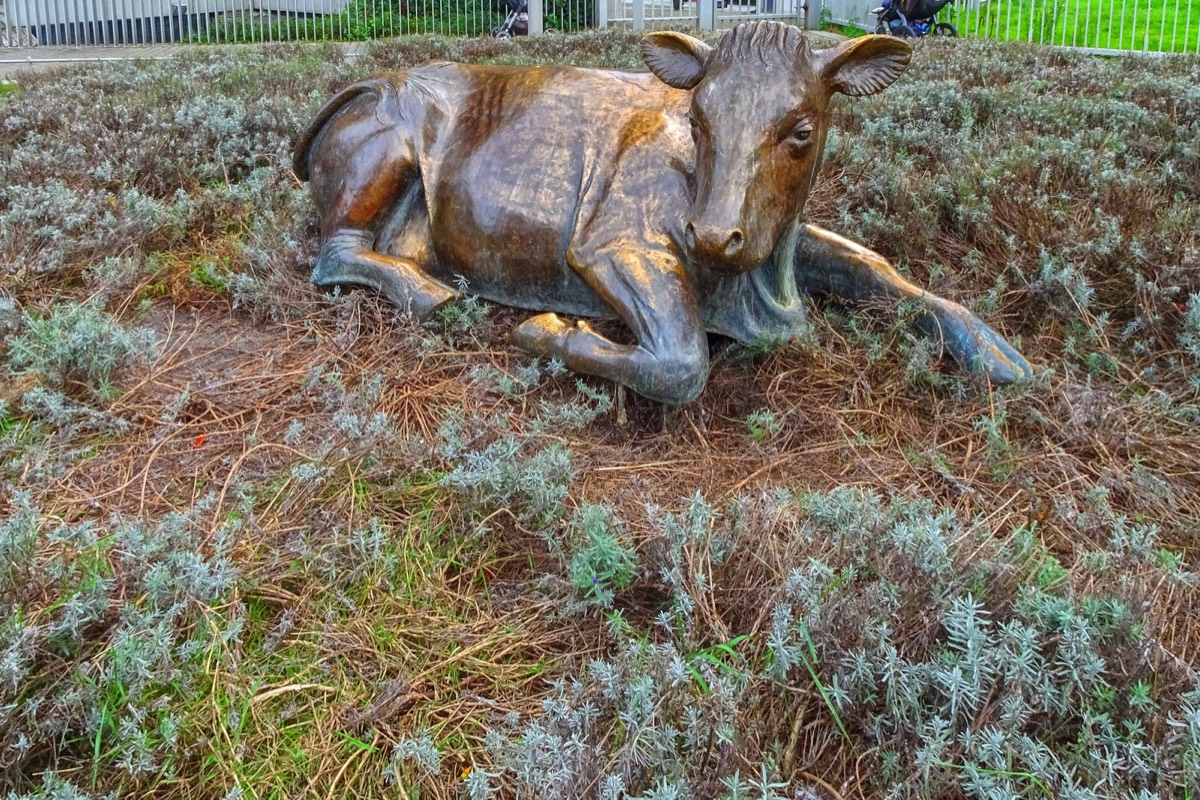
[671, 200]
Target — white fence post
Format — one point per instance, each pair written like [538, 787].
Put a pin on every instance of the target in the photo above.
[536, 17]
[639, 15]
[602, 14]
[707, 14]
[812, 13]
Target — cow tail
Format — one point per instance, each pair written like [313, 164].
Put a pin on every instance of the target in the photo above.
[381, 86]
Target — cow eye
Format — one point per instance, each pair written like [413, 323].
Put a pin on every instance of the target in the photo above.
[802, 134]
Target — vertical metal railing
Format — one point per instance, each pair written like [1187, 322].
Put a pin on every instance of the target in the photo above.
[731, 12]
[25, 23]
[638, 14]
[705, 14]
[1106, 26]
[1113, 26]
[566, 15]
[1102, 26]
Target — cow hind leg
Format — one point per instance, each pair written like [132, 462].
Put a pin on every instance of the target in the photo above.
[356, 193]
[347, 257]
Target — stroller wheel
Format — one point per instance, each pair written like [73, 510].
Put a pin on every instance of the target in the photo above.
[945, 29]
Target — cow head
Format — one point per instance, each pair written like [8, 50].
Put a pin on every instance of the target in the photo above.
[759, 114]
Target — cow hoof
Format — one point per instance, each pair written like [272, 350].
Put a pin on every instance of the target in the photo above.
[980, 349]
[541, 335]
[423, 301]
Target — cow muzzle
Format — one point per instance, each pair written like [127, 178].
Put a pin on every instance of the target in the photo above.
[716, 244]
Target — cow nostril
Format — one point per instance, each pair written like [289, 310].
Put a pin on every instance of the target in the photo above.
[734, 245]
[689, 235]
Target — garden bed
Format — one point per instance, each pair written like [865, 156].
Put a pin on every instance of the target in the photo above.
[264, 541]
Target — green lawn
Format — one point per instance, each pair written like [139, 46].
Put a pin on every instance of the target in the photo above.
[1154, 25]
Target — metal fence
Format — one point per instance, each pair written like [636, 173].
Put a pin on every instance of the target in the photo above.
[706, 14]
[1107, 26]
[117, 22]
[1101, 26]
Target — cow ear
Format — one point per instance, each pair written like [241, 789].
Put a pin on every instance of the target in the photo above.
[863, 66]
[677, 59]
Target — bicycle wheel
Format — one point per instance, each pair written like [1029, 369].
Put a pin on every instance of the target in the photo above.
[945, 29]
[882, 29]
[902, 32]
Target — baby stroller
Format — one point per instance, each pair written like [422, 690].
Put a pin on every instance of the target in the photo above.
[517, 21]
[909, 18]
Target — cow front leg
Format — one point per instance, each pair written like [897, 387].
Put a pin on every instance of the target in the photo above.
[832, 265]
[651, 293]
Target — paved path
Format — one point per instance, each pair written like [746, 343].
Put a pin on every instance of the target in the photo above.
[15, 60]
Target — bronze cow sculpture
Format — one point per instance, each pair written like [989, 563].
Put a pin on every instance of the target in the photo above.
[670, 200]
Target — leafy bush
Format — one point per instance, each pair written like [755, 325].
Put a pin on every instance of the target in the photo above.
[600, 564]
[1189, 337]
[78, 345]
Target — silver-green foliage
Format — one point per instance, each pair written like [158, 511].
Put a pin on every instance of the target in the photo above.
[600, 564]
[1012, 684]
[1071, 188]
[491, 461]
[1189, 337]
[154, 588]
[78, 345]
